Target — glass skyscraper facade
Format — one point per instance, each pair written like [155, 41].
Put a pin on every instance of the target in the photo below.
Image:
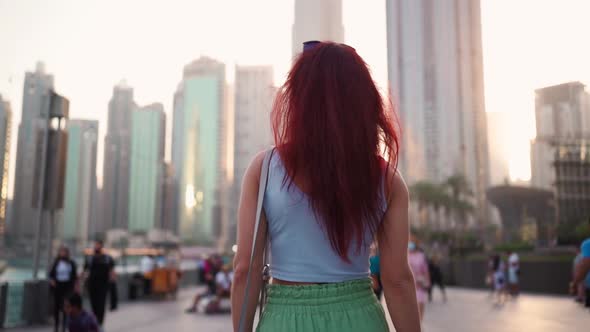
[35, 100]
[148, 127]
[79, 217]
[199, 150]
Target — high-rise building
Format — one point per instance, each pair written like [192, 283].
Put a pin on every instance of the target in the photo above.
[36, 97]
[499, 127]
[5, 139]
[199, 150]
[562, 112]
[148, 135]
[572, 181]
[436, 78]
[317, 20]
[254, 93]
[169, 215]
[79, 222]
[115, 189]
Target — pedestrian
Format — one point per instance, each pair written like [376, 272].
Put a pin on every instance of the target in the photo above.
[375, 271]
[147, 267]
[223, 281]
[100, 271]
[436, 278]
[489, 281]
[63, 279]
[330, 189]
[582, 275]
[499, 278]
[419, 267]
[79, 320]
[579, 291]
[513, 273]
[213, 267]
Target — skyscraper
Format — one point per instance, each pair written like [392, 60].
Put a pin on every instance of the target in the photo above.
[79, 219]
[436, 78]
[35, 100]
[148, 130]
[562, 113]
[499, 125]
[169, 215]
[317, 20]
[254, 92]
[115, 190]
[199, 150]
[5, 139]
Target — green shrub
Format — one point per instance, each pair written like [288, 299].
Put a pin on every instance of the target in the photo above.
[514, 246]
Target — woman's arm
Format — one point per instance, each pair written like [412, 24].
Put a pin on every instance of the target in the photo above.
[246, 224]
[396, 277]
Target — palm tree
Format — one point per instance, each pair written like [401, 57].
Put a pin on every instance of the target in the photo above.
[429, 195]
[460, 195]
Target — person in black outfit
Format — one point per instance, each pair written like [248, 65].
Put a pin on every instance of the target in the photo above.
[100, 271]
[436, 279]
[63, 278]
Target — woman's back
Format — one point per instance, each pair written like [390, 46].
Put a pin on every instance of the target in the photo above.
[300, 248]
[325, 204]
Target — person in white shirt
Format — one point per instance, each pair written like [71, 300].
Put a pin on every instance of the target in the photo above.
[223, 281]
[63, 279]
[147, 266]
[513, 273]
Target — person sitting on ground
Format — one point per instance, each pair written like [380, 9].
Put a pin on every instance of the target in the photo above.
[223, 281]
[78, 319]
[211, 289]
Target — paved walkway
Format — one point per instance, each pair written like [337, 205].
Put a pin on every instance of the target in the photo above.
[466, 310]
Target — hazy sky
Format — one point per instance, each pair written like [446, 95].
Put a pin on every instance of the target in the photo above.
[89, 46]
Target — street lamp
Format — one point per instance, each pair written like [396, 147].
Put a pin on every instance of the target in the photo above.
[50, 164]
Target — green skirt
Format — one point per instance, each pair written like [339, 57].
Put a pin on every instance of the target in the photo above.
[345, 306]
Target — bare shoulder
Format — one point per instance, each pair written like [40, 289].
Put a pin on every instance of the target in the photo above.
[397, 190]
[252, 174]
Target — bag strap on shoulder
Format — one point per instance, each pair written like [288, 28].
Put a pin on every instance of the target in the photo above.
[261, 191]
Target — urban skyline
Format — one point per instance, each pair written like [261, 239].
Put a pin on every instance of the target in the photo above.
[365, 30]
[202, 176]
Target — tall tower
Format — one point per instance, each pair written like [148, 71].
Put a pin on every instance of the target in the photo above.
[35, 99]
[115, 191]
[254, 92]
[148, 129]
[199, 150]
[562, 113]
[436, 77]
[79, 219]
[5, 139]
[317, 20]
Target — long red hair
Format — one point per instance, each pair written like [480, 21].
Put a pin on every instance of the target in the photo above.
[331, 128]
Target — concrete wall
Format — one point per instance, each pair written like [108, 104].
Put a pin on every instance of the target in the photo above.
[548, 277]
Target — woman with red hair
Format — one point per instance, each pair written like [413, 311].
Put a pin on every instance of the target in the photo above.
[331, 190]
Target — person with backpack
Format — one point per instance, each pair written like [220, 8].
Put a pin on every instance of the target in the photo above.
[323, 195]
[99, 270]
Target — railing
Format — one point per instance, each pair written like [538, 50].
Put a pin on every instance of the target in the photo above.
[28, 302]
